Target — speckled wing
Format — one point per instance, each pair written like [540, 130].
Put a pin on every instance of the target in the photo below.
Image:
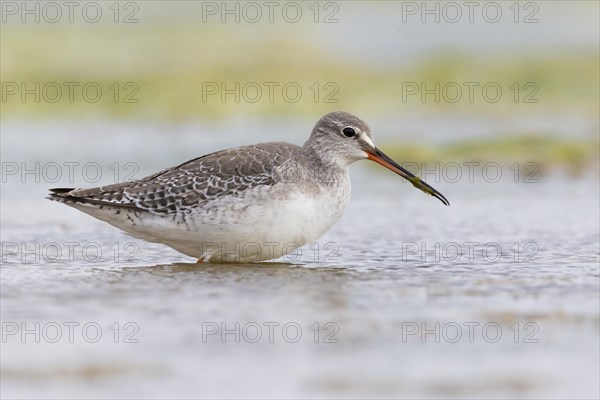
[193, 183]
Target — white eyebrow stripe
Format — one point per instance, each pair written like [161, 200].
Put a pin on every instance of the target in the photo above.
[368, 140]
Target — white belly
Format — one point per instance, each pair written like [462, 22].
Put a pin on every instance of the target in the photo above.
[267, 223]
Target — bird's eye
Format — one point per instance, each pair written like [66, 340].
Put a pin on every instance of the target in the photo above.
[349, 132]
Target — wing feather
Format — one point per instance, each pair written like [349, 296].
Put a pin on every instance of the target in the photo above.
[223, 173]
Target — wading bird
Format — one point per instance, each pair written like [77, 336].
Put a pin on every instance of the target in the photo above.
[244, 204]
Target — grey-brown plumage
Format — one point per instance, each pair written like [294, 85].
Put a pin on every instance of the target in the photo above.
[244, 204]
[193, 183]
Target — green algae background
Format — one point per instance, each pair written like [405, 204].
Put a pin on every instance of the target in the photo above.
[170, 66]
[532, 154]
[163, 68]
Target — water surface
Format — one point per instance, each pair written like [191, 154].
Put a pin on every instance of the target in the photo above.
[381, 306]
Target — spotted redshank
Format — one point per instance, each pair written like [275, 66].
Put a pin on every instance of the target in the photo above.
[245, 204]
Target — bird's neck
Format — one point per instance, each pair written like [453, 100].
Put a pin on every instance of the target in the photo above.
[328, 167]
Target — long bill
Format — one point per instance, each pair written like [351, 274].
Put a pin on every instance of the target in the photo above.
[380, 158]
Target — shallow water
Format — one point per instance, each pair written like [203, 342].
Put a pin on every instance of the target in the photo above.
[383, 305]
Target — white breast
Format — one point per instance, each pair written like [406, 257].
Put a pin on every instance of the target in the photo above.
[266, 223]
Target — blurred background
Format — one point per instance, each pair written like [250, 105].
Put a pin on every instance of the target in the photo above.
[106, 91]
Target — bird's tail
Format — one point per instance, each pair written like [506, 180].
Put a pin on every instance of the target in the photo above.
[62, 195]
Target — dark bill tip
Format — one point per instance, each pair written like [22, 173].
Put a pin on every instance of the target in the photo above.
[381, 158]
